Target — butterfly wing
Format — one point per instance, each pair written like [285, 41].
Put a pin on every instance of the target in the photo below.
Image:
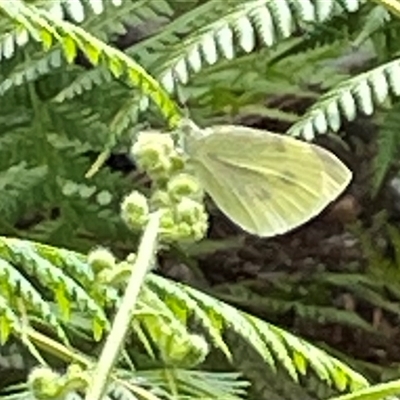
[266, 183]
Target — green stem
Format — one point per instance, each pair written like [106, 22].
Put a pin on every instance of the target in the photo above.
[57, 349]
[115, 339]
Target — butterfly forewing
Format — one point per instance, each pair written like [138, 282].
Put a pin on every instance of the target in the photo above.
[266, 183]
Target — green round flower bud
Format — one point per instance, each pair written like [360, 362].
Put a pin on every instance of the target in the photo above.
[169, 227]
[199, 231]
[160, 199]
[155, 153]
[104, 277]
[100, 259]
[152, 143]
[167, 221]
[74, 370]
[193, 219]
[184, 185]
[177, 162]
[189, 210]
[45, 383]
[135, 210]
[118, 276]
[186, 221]
[76, 378]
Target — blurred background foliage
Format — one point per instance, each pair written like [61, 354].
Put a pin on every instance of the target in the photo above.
[294, 67]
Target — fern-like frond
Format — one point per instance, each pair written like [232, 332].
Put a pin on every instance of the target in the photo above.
[11, 41]
[330, 370]
[166, 310]
[16, 288]
[177, 299]
[9, 320]
[376, 19]
[148, 50]
[388, 145]
[70, 121]
[387, 390]
[47, 189]
[140, 14]
[113, 21]
[153, 385]
[31, 70]
[175, 345]
[210, 33]
[246, 23]
[80, 10]
[359, 94]
[242, 296]
[84, 83]
[199, 384]
[103, 20]
[66, 291]
[276, 346]
[17, 185]
[44, 28]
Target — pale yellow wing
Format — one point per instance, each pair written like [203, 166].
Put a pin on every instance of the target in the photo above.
[266, 183]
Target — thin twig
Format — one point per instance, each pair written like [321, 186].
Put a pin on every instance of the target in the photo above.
[122, 322]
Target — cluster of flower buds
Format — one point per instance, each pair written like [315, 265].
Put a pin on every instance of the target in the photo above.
[175, 193]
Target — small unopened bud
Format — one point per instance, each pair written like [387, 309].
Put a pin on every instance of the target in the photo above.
[44, 383]
[135, 210]
[155, 153]
[185, 221]
[184, 185]
[100, 259]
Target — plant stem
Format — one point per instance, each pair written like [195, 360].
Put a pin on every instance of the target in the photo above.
[119, 329]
